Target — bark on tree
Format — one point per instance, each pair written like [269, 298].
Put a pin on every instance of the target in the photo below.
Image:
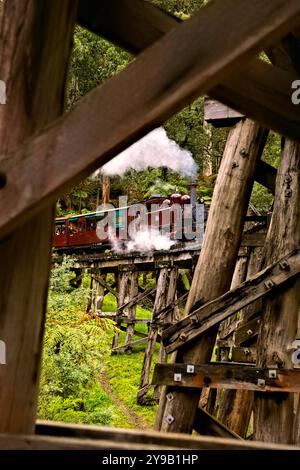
[105, 189]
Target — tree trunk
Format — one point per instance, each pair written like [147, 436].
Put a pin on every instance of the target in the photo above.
[105, 189]
[35, 47]
[213, 273]
[279, 325]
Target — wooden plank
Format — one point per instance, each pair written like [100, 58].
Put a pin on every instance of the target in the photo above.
[275, 418]
[131, 344]
[122, 286]
[164, 312]
[131, 311]
[105, 121]
[34, 71]
[220, 115]
[123, 319]
[247, 102]
[160, 299]
[253, 239]
[266, 175]
[207, 425]
[143, 295]
[239, 354]
[214, 312]
[132, 24]
[136, 437]
[103, 283]
[228, 376]
[253, 92]
[246, 331]
[139, 333]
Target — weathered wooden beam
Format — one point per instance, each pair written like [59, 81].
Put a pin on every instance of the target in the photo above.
[253, 239]
[151, 24]
[220, 249]
[141, 296]
[160, 299]
[122, 286]
[131, 311]
[139, 333]
[131, 24]
[228, 376]
[123, 319]
[267, 100]
[163, 313]
[97, 129]
[103, 283]
[35, 44]
[235, 406]
[245, 354]
[207, 425]
[212, 313]
[130, 344]
[275, 416]
[266, 175]
[131, 438]
[246, 331]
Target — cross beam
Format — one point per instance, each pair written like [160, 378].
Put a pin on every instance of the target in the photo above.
[168, 75]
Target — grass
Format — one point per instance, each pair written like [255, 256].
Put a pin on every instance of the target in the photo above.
[124, 371]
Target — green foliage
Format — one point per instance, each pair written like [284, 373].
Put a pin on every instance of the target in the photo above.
[74, 348]
[124, 373]
[181, 8]
[93, 61]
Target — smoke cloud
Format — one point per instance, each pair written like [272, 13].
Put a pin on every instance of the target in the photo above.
[154, 150]
[142, 241]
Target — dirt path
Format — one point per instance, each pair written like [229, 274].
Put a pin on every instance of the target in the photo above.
[137, 421]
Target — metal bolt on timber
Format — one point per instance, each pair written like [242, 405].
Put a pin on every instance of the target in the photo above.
[269, 284]
[272, 374]
[170, 419]
[177, 377]
[284, 265]
[190, 368]
[261, 382]
[170, 396]
[183, 337]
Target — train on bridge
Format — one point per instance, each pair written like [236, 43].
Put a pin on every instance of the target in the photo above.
[82, 230]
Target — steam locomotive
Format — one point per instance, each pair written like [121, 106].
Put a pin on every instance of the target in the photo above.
[80, 231]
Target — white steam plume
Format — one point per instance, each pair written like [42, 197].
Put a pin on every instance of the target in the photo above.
[154, 150]
[142, 241]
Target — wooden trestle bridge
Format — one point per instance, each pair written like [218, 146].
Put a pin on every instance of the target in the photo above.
[244, 299]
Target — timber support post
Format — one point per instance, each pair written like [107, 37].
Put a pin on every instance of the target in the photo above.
[131, 311]
[122, 283]
[236, 405]
[35, 48]
[220, 249]
[159, 303]
[274, 413]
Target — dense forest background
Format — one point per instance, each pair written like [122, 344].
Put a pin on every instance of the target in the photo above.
[80, 381]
